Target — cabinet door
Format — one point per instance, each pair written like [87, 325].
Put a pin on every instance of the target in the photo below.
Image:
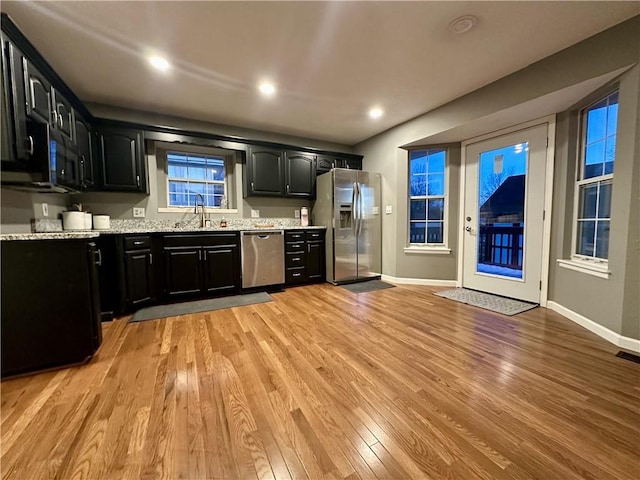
[38, 94]
[300, 175]
[84, 142]
[122, 160]
[264, 172]
[315, 261]
[183, 272]
[221, 269]
[63, 115]
[15, 143]
[139, 277]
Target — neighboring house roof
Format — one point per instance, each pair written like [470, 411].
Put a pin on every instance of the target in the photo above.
[507, 200]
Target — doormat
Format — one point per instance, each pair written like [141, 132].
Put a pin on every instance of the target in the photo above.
[368, 286]
[197, 306]
[628, 356]
[495, 303]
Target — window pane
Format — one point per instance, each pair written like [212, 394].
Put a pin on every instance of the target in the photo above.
[594, 158]
[418, 162]
[436, 209]
[215, 172]
[434, 232]
[215, 188]
[196, 188]
[586, 235]
[418, 185]
[596, 122]
[178, 200]
[418, 210]
[604, 202]
[177, 187]
[177, 171]
[197, 173]
[436, 162]
[436, 184]
[610, 154]
[612, 115]
[588, 201]
[602, 239]
[417, 232]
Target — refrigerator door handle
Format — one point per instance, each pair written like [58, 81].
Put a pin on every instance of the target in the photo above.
[354, 209]
[359, 208]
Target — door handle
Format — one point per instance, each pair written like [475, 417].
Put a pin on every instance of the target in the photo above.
[30, 149]
[99, 259]
[151, 259]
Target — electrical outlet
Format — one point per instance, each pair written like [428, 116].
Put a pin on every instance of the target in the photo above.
[45, 209]
[138, 212]
[296, 213]
[255, 213]
[388, 209]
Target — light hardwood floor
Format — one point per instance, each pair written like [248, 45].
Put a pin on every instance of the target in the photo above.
[397, 383]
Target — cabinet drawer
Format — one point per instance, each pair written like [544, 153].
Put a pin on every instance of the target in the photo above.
[203, 240]
[137, 243]
[295, 275]
[294, 236]
[295, 260]
[314, 235]
[295, 247]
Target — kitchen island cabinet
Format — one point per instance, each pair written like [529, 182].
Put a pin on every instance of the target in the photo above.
[50, 303]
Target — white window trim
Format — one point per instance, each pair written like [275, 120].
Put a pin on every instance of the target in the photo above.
[190, 209]
[600, 270]
[581, 263]
[429, 248]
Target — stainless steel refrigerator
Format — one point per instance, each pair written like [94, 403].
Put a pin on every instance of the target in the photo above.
[348, 203]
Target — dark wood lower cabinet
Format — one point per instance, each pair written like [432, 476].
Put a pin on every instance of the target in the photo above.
[304, 256]
[221, 269]
[139, 272]
[182, 271]
[201, 265]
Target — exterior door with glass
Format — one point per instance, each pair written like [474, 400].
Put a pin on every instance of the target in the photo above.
[503, 214]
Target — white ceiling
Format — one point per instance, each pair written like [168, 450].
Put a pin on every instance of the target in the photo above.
[331, 61]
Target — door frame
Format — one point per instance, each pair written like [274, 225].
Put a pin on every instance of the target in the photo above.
[548, 196]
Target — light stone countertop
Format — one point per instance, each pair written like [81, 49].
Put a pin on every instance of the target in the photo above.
[68, 235]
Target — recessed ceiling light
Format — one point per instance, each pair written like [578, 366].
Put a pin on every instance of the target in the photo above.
[463, 24]
[267, 89]
[375, 112]
[159, 63]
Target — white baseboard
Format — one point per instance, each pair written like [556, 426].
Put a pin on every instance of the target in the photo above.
[419, 281]
[613, 337]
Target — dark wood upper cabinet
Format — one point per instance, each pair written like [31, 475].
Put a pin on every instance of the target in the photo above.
[15, 143]
[38, 94]
[264, 172]
[300, 175]
[63, 115]
[122, 162]
[85, 145]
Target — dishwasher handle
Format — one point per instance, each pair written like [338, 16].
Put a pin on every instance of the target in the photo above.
[262, 233]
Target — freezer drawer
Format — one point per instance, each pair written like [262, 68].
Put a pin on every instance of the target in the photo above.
[262, 258]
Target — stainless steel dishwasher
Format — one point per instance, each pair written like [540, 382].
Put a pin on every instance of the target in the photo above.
[262, 258]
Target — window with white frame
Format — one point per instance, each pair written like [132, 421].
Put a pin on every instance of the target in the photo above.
[595, 179]
[190, 174]
[427, 197]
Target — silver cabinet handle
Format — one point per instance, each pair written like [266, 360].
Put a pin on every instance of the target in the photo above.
[99, 260]
[139, 242]
[287, 188]
[55, 118]
[251, 185]
[30, 149]
[297, 259]
[61, 121]
[205, 255]
[199, 254]
[151, 259]
[138, 180]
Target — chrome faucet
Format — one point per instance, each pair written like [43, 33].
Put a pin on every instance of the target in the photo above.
[199, 195]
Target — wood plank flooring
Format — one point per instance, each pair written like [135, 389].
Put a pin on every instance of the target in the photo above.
[324, 383]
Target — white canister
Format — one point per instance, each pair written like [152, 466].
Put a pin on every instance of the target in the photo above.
[88, 222]
[73, 220]
[101, 222]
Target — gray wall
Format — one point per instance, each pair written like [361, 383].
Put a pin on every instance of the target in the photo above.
[613, 303]
[610, 302]
[18, 208]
